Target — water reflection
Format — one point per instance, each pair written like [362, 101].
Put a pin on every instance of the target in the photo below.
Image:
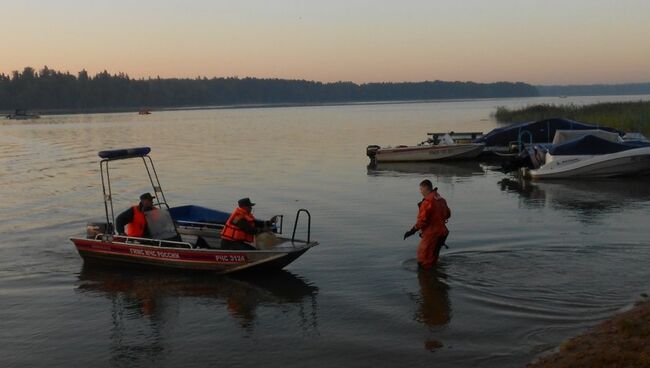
[588, 199]
[143, 303]
[459, 169]
[434, 308]
[433, 304]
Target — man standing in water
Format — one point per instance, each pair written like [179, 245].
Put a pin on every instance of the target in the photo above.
[432, 216]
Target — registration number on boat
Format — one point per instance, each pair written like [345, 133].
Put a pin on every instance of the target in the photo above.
[231, 258]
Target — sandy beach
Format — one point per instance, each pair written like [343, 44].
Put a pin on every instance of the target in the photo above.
[622, 341]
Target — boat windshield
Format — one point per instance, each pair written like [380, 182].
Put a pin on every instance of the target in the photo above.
[562, 136]
[160, 224]
[447, 140]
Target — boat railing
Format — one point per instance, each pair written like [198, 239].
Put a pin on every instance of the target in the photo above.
[295, 225]
[472, 135]
[211, 225]
[457, 136]
[143, 241]
[520, 139]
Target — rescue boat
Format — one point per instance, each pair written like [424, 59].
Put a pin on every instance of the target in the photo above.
[185, 237]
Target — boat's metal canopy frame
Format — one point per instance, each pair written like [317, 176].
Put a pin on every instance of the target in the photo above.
[123, 154]
[160, 200]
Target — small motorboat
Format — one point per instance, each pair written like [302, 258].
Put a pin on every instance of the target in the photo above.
[439, 147]
[144, 112]
[20, 114]
[588, 153]
[185, 237]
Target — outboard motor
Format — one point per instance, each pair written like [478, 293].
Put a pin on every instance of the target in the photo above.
[371, 150]
[537, 156]
[97, 228]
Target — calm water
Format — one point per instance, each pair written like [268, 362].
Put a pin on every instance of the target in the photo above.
[528, 266]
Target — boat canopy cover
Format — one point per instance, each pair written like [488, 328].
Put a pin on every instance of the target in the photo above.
[562, 136]
[592, 145]
[193, 213]
[124, 153]
[541, 131]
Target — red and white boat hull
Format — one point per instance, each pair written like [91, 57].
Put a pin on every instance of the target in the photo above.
[214, 260]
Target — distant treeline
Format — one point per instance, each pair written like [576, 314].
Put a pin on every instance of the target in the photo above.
[595, 89]
[48, 89]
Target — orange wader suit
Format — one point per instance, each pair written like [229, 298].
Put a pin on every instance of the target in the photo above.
[431, 220]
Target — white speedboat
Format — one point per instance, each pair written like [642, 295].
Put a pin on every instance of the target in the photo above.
[441, 146]
[589, 153]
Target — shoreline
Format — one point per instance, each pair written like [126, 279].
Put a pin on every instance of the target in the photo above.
[44, 112]
[620, 341]
[153, 109]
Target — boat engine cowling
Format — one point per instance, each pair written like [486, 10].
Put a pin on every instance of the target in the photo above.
[97, 228]
[371, 150]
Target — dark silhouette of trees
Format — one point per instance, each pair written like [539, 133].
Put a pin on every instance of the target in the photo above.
[595, 89]
[49, 89]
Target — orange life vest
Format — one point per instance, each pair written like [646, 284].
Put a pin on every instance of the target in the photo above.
[233, 233]
[136, 227]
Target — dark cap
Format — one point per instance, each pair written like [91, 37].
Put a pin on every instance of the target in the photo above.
[245, 202]
[146, 196]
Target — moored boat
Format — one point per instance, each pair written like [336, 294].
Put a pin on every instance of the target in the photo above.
[185, 238]
[588, 153]
[511, 140]
[439, 147]
[20, 114]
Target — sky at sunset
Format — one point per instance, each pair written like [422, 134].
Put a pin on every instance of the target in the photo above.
[540, 42]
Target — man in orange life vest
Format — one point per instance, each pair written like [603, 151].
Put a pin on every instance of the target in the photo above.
[432, 216]
[135, 219]
[241, 227]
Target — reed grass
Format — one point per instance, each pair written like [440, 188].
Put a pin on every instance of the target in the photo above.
[628, 116]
